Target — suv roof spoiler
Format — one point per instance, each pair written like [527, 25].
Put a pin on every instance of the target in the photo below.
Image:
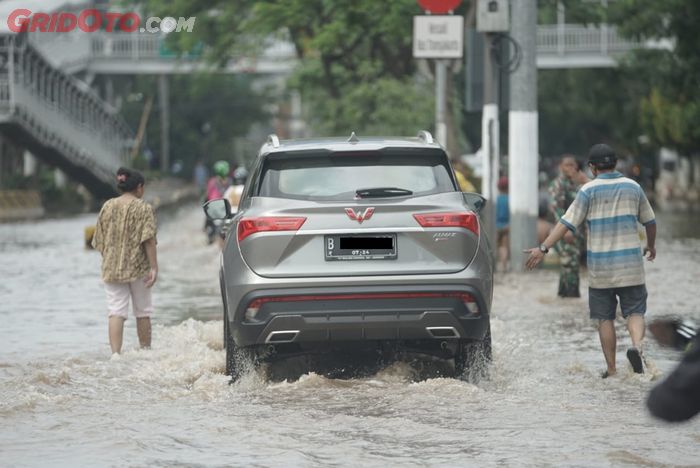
[423, 135]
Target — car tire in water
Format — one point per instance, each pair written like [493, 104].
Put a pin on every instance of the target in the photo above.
[237, 359]
[473, 358]
[234, 356]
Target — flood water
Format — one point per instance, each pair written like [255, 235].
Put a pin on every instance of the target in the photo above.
[64, 402]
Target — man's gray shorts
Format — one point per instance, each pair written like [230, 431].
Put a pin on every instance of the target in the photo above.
[603, 302]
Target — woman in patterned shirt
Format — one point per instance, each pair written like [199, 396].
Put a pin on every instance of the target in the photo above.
[125, 235]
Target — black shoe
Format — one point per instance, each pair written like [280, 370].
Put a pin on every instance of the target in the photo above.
[635, 358]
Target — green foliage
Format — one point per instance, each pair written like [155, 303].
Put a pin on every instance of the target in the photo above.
[575, 11]
[57, 200]
[357, 71]
[670, 110]
[579, 107]
[207, 112]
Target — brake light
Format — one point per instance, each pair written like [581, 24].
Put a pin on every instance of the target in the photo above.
[464, 220]
[248, 226]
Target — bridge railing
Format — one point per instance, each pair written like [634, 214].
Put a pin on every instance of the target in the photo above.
[127, 46]
[59, 110]
[567, 39]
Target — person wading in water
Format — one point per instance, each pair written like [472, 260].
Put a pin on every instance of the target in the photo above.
[125, 235]
[612, 206]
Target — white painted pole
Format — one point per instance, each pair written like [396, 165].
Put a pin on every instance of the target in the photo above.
[59, 178]
[490, 149]
[523, 143]
[490, 141]
[29, 164]
[440, 102]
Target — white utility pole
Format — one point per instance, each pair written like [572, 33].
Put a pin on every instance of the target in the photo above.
[523, 143]
[492, 16]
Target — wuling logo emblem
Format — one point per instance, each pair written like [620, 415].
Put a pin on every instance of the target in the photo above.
[360, 216]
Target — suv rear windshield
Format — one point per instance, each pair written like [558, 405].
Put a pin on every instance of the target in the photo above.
[337, 176]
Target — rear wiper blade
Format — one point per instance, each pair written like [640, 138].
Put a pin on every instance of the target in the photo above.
[382, 192]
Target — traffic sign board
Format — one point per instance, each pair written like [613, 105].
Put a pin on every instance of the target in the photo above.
[438, 36]
[439, 7]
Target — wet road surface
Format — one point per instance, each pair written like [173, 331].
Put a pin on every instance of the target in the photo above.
[64, 402]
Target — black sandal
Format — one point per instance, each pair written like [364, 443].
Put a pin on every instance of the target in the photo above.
[635, 358]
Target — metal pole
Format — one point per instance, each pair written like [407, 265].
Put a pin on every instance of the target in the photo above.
[490, 137]
[163, 95]
[523, 144]
[440, 95]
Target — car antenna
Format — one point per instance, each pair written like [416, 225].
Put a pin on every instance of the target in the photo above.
[353, 138]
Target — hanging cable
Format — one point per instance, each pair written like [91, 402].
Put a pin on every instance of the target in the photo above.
[512, 62]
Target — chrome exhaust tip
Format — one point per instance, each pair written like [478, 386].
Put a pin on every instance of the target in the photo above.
[442, 332]
[282, 336]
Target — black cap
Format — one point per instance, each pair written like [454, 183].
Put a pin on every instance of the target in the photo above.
[601, 154]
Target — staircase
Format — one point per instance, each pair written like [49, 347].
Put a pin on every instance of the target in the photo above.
[59, 118]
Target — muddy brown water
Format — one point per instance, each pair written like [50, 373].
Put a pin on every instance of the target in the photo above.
[64, 402]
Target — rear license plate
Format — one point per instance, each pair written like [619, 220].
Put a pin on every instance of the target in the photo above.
[361, 247]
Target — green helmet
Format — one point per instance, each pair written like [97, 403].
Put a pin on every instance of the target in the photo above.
[221, 168]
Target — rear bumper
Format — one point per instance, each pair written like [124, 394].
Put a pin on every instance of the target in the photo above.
[406, 312]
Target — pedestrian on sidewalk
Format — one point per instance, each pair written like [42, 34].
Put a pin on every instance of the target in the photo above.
[562, 192]
[611, 205]
[125, 235]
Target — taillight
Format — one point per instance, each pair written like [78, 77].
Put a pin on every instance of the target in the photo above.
[464, 220]
[248, 226]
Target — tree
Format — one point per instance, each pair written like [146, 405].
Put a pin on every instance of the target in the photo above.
[208, 112]
[580, 107]
[356, 71]
[670, 110]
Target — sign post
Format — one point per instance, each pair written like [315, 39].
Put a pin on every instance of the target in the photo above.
[439, 37]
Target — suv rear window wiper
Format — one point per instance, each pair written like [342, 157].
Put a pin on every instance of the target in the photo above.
[377, 192]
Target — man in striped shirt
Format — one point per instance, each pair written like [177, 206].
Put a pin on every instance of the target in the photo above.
[611, 205]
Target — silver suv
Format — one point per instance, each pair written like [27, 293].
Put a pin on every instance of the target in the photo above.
[360, 243]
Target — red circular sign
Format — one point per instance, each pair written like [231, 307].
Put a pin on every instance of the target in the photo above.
[438, 7]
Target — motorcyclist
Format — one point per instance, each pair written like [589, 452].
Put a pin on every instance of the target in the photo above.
[216, 188]
[233, 194]
[220, 182]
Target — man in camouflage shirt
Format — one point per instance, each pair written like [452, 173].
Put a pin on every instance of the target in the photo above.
[562, 192]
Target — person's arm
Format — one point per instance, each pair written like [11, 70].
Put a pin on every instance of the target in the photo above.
[536, 255]
[150, 246]
[650, 249]
[148, 240]
[97, 236]
[648, 219]
[574, 217]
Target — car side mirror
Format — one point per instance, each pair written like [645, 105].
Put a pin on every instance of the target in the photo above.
[475, 201]
[217, 209]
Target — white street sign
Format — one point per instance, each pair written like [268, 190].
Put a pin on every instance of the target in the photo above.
[438, 36]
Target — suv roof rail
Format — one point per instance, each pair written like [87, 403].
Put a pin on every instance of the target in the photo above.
[425, 136]
[273, 140]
